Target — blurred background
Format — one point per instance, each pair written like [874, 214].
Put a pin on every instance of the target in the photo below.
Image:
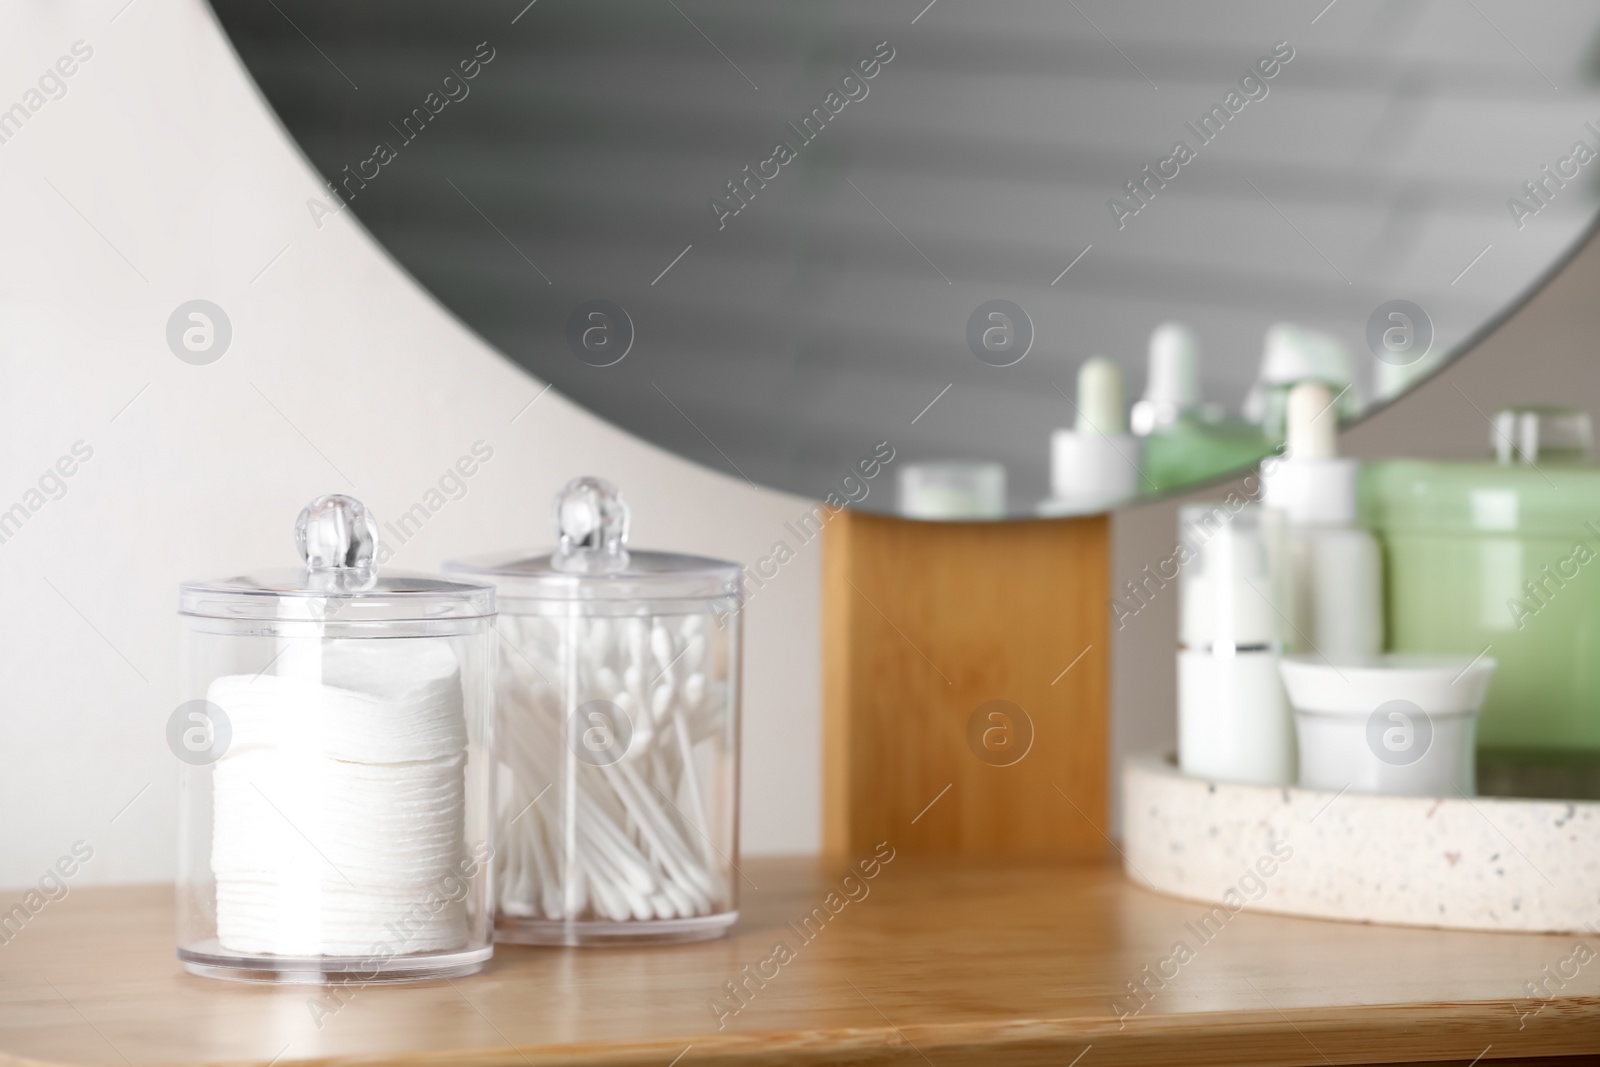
[370, 346]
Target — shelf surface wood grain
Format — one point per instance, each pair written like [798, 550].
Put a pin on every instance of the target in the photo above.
[948, 961]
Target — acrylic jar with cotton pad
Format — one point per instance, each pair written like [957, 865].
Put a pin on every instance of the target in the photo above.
[1403, 725]
[618, 735]
[334, 732]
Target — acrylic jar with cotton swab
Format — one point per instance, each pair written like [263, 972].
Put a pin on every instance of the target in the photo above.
[336, 750]
[617, 704]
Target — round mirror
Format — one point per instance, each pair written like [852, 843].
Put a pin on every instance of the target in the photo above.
[870, 253]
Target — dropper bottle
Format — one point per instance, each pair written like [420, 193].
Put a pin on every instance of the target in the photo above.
[1095, 464]
[1186, 440]
[1172, 383]
[1335, 571]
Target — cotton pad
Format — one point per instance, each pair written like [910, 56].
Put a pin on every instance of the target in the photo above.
[339, 807]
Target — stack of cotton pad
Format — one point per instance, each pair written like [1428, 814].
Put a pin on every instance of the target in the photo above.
[628, 839]
[339, 804]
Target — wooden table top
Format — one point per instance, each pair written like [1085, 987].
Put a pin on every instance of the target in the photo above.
[938, 962]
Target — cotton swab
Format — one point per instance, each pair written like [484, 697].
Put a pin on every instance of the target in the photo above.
[628, 840]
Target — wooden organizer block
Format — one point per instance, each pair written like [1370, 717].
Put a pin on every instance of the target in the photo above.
[924, 623]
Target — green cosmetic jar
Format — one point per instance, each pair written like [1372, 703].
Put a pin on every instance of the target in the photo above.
[1501, 560]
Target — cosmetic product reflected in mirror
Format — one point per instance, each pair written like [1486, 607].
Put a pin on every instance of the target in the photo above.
[952, 490]
[1094, 465]
[1186, 439]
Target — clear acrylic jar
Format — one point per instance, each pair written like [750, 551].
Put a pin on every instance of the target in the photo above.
[618, 735]
[335, 731]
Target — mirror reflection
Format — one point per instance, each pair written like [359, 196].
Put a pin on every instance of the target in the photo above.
[1044, 257]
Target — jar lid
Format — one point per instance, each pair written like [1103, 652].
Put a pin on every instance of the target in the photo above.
[338, 539]
[592, 561]
[1541, 499]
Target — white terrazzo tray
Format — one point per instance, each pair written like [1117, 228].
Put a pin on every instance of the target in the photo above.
[1484, 863]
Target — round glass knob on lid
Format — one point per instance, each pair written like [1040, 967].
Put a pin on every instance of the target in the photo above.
[337, 539]
[591, 523]
[591, 559]
[337, 532]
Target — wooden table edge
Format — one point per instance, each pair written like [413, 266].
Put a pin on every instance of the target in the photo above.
[1479, 1031]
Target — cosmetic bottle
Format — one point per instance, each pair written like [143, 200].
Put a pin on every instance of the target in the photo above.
[1390, 380]
[1095, 464]
[1233, 719]
[1172, 384]
[952, 490]
[1185, 439]
[617, 708]
[1290, 355]
[1502, 559]
[1335, 590]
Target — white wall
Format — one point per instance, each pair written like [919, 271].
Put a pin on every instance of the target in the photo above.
[161, 177]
